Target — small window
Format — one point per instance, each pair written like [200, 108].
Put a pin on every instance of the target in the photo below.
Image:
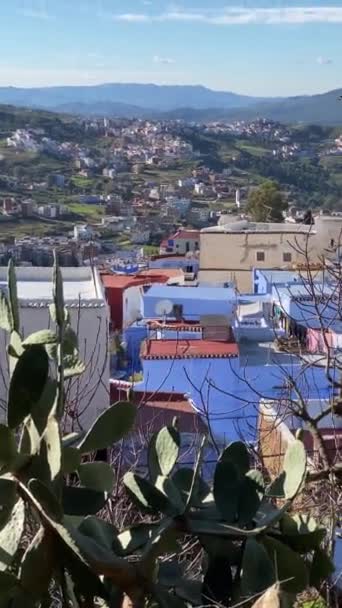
[177, 311]
[332, 242]
[287, 257]
[189, 269]
[260, 256]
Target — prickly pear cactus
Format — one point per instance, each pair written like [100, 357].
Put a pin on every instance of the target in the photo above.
[249, 544]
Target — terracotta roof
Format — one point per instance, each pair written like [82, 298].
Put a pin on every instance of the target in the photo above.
[188, 349]
[121, 281]
[186, 234]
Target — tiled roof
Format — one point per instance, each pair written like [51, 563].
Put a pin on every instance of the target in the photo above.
[120, 281]
[188, 349]
[187, 234]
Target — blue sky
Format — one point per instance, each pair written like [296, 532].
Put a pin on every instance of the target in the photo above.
[257, 47]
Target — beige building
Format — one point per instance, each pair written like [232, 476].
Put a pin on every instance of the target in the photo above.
[231, 251]
[328, 230]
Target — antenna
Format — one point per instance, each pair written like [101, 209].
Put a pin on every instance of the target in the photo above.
[163, 308]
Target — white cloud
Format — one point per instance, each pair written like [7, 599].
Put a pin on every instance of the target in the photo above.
[34, 14]
[240, 16]
[323, 60]
[132, 18]
[163, 60]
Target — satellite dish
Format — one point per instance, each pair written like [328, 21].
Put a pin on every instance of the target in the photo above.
[163, 308]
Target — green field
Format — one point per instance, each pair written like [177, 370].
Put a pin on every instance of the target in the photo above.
[151, 250]
[83, 182]
[87, 212]
[158, 175]
[255, 150]
[31, 227]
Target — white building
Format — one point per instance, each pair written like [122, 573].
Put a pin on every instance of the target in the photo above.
[82, 232]
[85, 301]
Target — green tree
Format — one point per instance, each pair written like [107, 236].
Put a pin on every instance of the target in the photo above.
[267, 203]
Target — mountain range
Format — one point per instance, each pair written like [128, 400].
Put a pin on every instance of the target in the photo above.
[192, 103]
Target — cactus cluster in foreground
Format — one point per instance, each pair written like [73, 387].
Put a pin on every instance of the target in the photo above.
[249, 544]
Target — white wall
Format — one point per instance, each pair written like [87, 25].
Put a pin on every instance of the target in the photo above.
[91, 389]
[131, 305]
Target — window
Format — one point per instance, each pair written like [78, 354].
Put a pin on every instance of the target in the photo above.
[332, 242]
[260, 256]
[188, 269]
[177, 311]
[287, 257]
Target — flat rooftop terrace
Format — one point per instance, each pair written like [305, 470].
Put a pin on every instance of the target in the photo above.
[260, 227]
[35, 284]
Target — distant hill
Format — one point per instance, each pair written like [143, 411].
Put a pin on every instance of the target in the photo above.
[325, 108]
[147, 96]
[190, 103]
[105, 108]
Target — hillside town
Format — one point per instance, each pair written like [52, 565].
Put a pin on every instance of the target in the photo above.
[170, 304]
[137, 182]
[198, 290]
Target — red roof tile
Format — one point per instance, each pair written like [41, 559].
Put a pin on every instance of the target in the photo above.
[188, 349]
[186, 234]
[120, 281]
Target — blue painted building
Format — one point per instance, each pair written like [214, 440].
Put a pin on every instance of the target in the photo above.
[313, 307]
[265, 280]
[135, 334]
[193, 302]
[189, 265]
[225, 382]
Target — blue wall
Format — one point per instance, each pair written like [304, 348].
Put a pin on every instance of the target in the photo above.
[230, 393]
[307, 313]
[196, 301]
[134, 335]
[174, 262]
[265, 280]
[167, 334]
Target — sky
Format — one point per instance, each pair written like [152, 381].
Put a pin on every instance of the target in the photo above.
[254, 47]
